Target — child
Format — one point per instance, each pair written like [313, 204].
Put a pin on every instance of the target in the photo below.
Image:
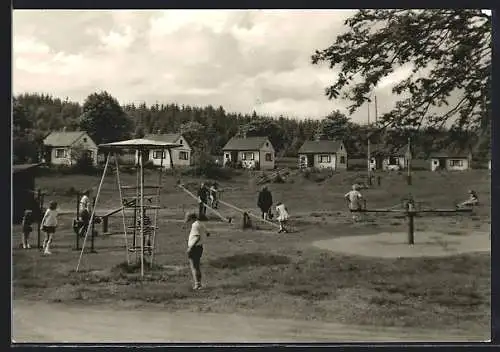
[282, 213]
[148, 231]
[213, 196]
[85, 212]
[27, 227]
[353, 199]
[195, 247]
[49, 224]
[473, 200]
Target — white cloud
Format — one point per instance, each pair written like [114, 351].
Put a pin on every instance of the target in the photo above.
[242, 60]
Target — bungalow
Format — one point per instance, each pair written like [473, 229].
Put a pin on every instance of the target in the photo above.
[253, 153]
[181, 156]
[60, 147]
[452, 159]
[323, 154]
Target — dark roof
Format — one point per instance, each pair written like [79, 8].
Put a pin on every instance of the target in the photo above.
[324, 146]
[62, 139]
[452, 152]
[248, 143]
[164, 137]
[22, 167]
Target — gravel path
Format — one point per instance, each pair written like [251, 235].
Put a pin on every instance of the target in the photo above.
[46, 322]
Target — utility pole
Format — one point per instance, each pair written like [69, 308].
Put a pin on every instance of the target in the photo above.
[409, 162]
[368, 149]
[376, 110]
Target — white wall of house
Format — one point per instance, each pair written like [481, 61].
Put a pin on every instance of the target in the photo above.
[398, 160]
[249, 158]
[452, 164]
[267, 156]
[63, 155]
[325, 161]
[181, 156]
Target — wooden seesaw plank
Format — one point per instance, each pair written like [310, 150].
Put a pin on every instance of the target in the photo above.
[249, 213]
[228, 220]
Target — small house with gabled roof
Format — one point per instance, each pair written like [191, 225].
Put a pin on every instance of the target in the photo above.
[452, 159]
[323, 154]
[62, 148]
[181, 156]
[250, 152]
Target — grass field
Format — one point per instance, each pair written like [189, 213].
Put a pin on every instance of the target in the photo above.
[263, 273]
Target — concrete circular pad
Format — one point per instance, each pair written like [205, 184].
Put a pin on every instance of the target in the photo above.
[395, 245]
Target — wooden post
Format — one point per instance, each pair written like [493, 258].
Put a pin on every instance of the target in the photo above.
[411, 223]
[40, 210]
[105, 224]
[77, 219]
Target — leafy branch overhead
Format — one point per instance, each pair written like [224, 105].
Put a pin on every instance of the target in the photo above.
[449, 52]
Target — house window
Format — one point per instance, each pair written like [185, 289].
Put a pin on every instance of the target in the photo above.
[158, 154]
[324, 159]
[248, 156]
[267, 144]
[180, 141]
[60, 153]
[269, 157]
[85, 139]
[456, 163]
[183, 156]
[342, 158]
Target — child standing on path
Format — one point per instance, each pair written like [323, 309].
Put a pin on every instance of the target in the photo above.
[195, 247]
[49, 224]
[282, 213]
[27, 227]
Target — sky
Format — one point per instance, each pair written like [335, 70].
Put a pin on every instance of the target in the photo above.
[242, 60]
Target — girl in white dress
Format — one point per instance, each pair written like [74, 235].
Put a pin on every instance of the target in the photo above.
[282, 213]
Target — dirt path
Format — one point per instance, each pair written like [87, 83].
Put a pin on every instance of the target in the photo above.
[44, 322]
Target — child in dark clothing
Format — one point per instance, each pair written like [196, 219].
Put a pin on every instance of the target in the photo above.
[27, 227]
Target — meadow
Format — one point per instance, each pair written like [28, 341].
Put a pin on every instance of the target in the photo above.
[260, 272]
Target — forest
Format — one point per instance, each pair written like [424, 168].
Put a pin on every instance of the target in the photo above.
[209, 128]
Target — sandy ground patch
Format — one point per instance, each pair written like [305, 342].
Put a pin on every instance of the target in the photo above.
[42, 322]
[395, 245]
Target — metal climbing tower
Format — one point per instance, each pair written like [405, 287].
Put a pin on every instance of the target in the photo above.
[138, 200]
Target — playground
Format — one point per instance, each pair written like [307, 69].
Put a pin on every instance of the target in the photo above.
[327, 269]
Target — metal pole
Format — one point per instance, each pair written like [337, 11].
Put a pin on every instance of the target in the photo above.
[368, 148]
[142, 212]
[409, 162]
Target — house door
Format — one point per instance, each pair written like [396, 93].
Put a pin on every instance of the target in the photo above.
[310, 160]
[234, 157]
[442, 164]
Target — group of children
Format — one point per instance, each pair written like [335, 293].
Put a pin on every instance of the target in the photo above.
[265, 202]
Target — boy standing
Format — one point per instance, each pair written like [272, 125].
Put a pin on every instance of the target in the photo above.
[195, 247]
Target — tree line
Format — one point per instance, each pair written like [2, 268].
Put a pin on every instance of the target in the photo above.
[208, 128]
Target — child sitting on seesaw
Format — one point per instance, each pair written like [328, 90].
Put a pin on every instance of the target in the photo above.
[472, 201]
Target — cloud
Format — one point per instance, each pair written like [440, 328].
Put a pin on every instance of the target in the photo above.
[242, 60]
